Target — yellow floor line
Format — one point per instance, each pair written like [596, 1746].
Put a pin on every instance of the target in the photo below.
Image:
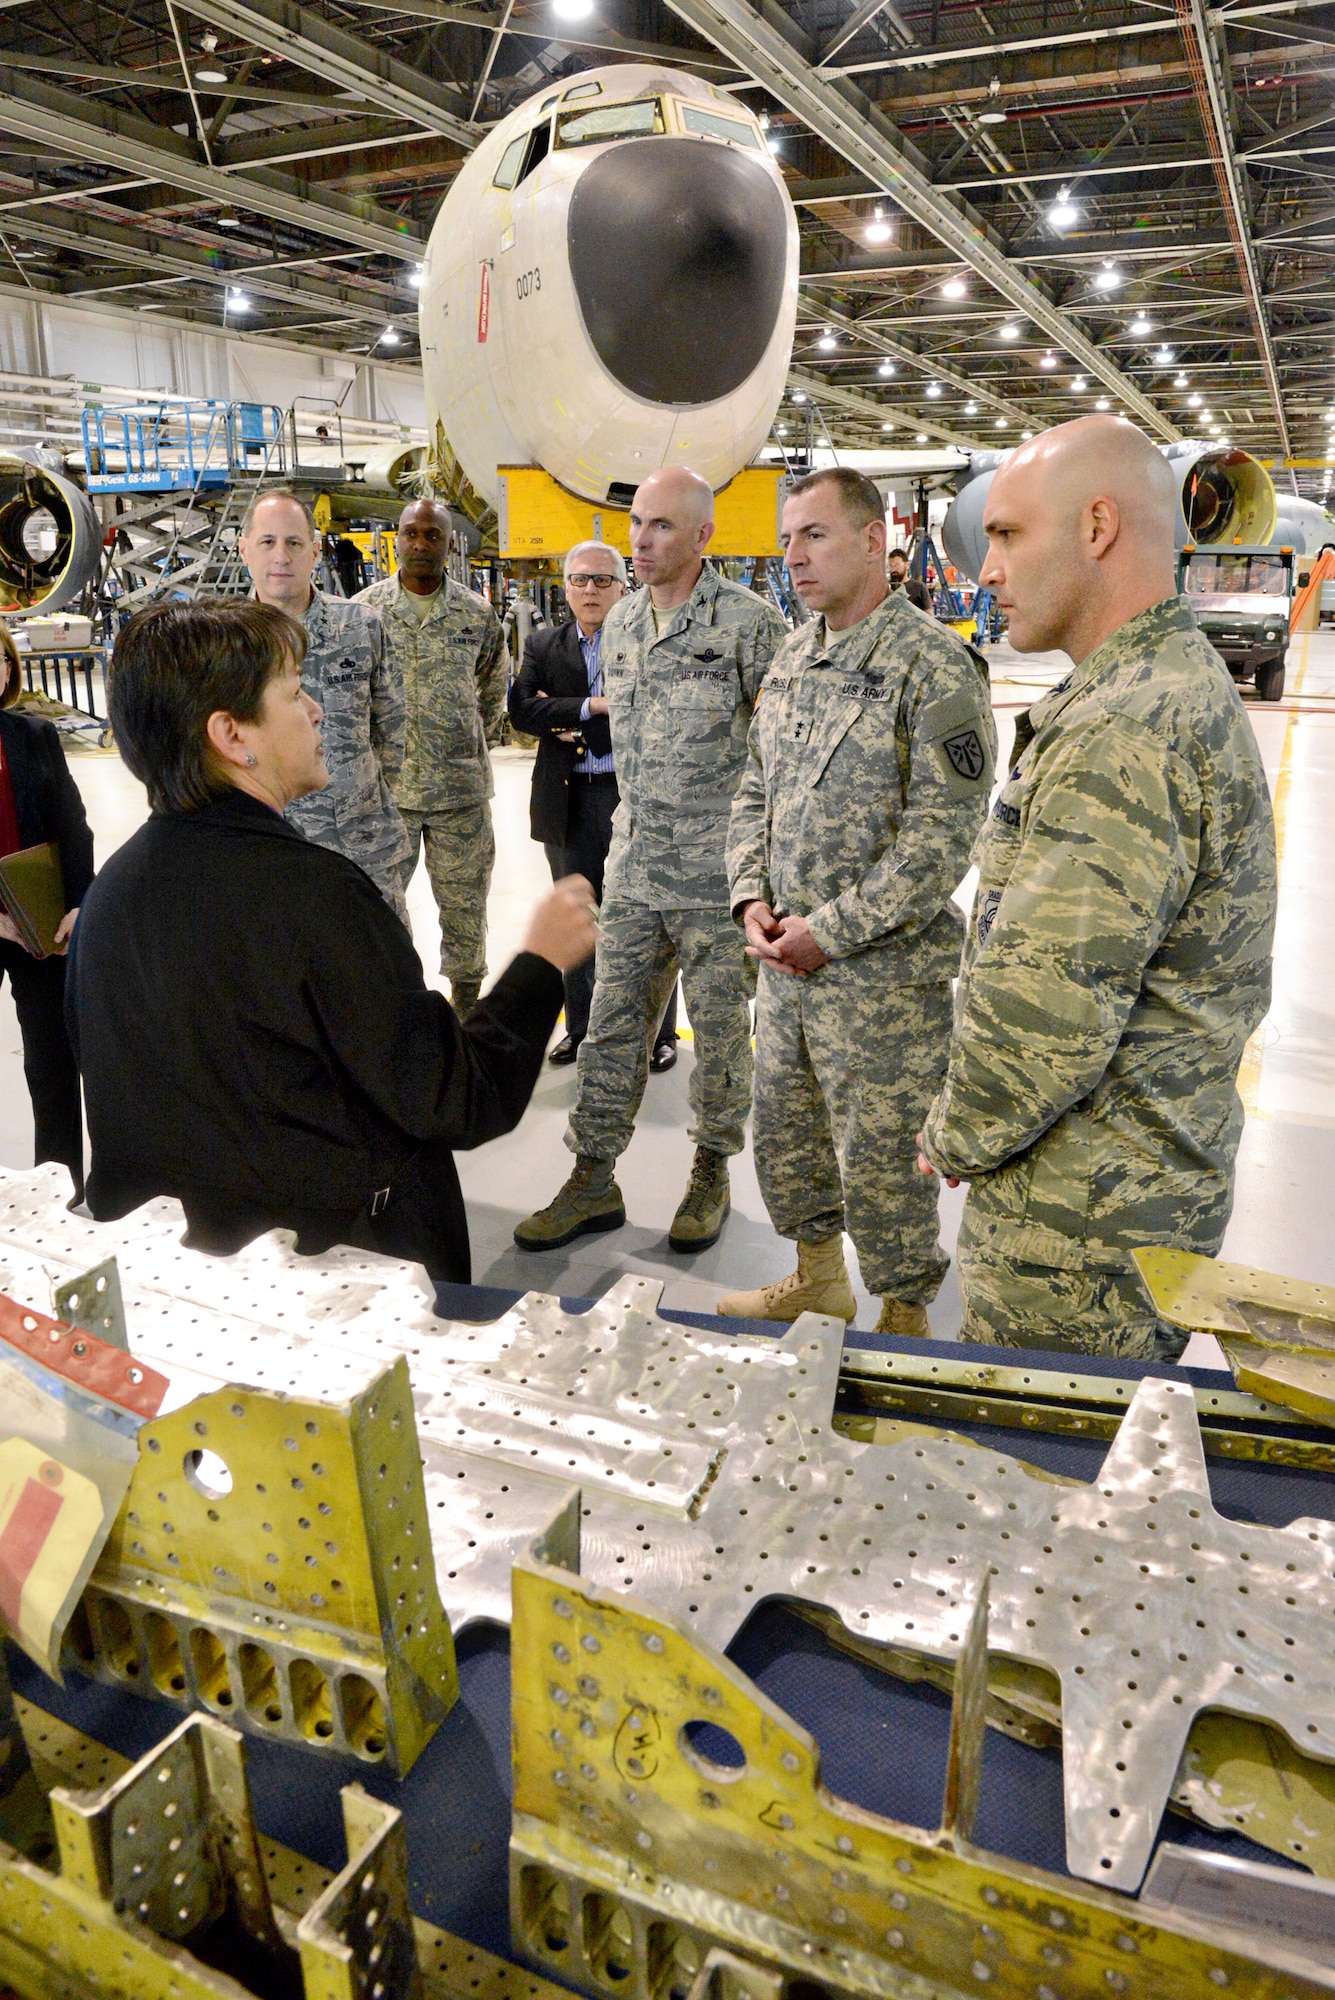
[1249, 1069]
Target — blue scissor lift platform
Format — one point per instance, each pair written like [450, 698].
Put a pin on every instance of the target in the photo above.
[181, 445]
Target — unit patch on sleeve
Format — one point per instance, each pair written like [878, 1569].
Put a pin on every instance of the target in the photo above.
[966, 753]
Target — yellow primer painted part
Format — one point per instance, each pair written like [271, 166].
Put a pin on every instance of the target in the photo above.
[634, 1853]
[293, 1594]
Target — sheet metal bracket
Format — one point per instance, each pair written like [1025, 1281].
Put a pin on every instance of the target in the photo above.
[665, 1810]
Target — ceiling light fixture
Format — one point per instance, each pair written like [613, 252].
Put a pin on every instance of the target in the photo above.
[1079, 384]
[390, 337]
[887, 427]
[1063, 214]
[921, 438]
[826, 341]
[1102, 403]
[417, 277]
[1163, 357]
[799, 395]
[238, 301]
[572, 10]
[1001, 424]
[1194, 402]
[1139, 327]
[1181, 381]
[971, 409]
[227, 219]
[954, 288]
[886, 368]
[1010, 331]
[1107, 278]
[878, 230]
[934, 388]
[994, 115]
[211, 74]
[1049, 360]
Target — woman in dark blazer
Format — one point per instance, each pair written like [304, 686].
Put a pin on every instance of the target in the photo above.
[558, 697]
[254, 1030]
[39, 801]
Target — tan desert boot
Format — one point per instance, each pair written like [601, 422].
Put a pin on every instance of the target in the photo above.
[897, 1316]
[820, 1284]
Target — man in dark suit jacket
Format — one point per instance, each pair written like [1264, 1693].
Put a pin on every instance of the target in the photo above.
[557, 696]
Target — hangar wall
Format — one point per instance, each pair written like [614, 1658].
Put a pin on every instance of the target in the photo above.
[42, 335]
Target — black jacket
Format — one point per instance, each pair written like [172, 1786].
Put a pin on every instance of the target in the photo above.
[47, 798]
[256, 1036]
[553, 662]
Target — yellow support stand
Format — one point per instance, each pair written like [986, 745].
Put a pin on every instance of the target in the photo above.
[539, 518]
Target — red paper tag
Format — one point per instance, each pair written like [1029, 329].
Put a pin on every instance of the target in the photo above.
[81, 1357]
[23, 1538]
[484, 304]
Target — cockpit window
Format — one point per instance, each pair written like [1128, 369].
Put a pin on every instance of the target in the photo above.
[507, 173]
[694, 119]
[636, 120]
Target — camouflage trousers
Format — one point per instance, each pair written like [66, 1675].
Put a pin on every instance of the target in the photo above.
[1008, 1303]
[639, 953]
[846, 1066]
[460, 855]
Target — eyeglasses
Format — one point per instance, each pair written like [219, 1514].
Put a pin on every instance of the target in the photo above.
[582, 581]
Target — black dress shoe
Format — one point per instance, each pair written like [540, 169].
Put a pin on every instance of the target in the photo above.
[664, 1056]
[564, 1053]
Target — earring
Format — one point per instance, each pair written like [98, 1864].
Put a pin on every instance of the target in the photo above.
[251, 760]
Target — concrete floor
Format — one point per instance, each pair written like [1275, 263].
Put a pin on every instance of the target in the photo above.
[1286, 1175]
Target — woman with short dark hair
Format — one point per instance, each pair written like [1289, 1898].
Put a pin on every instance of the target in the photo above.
[39, 801]
[254, 1030]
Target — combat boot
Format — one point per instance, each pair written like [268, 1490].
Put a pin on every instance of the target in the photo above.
[898, 1316]
[820, 1284]
[464, 996]
[589, 1201]
[704, 1206]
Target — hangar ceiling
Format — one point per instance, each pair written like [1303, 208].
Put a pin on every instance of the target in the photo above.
[1011, 212]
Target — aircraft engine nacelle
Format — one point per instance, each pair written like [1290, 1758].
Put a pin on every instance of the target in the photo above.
[1303, 525]
[50, 538]
[611, 286]
[1223, 495]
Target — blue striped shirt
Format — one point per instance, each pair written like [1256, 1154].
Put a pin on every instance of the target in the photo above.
[589, 765]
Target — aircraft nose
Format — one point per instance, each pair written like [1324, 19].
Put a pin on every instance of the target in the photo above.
[678, 249]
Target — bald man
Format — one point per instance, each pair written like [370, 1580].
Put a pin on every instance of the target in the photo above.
[683, 659]
[1118, 953]
[446, 644]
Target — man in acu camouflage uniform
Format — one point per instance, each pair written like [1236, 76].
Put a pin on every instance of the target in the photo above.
[683, 660]
[870, 766]
[1118, 955]
[347, 672]
[446, 644]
